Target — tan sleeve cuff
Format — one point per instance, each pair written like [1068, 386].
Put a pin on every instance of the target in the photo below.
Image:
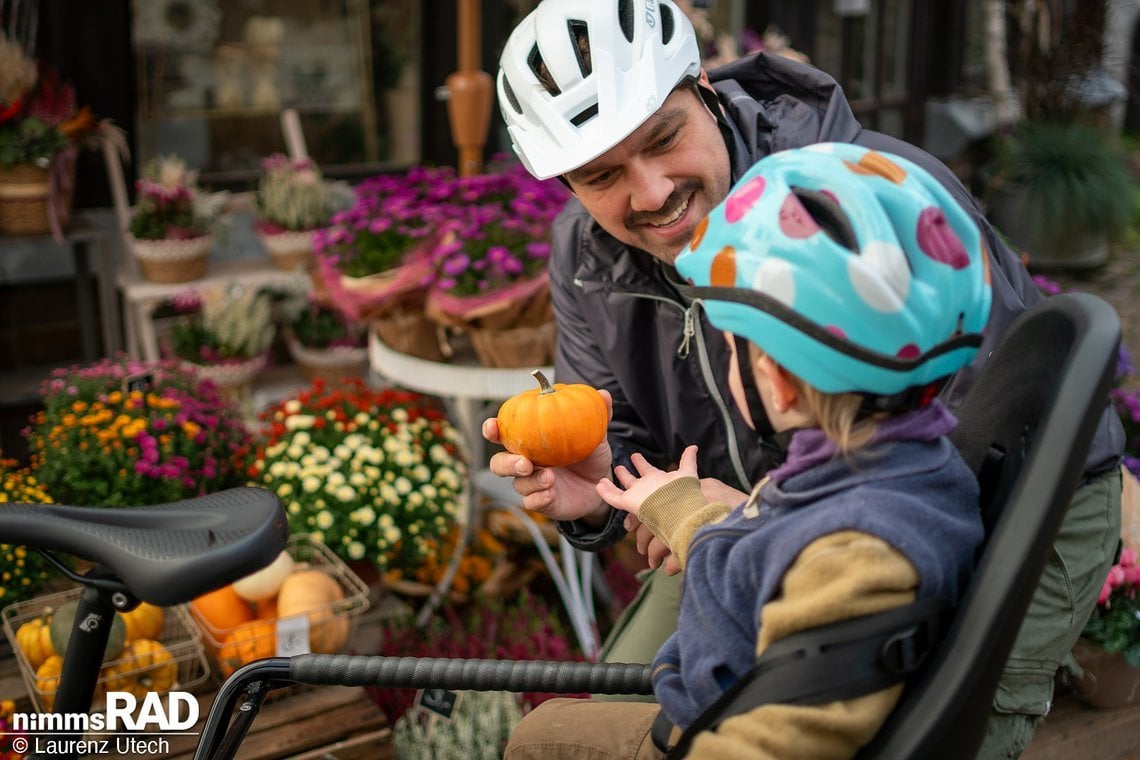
[676, 510]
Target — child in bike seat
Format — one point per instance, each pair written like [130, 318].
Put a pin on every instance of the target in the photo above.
[850, 285]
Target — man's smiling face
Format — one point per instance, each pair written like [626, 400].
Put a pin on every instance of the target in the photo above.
[651, 189]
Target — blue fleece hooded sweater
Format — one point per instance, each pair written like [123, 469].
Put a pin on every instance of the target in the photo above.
[908, 487]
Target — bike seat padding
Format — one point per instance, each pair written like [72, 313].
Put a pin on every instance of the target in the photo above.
[165, 554]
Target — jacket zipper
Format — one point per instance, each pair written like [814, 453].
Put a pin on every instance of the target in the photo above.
[690, 333]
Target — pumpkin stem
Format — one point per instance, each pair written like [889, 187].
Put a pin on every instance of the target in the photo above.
[543, 384]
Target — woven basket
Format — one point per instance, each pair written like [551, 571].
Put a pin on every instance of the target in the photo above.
[173, 260]
[406, 329]
[24, 193]
[330, 364]
[289, 250]
[231, 375]
[515, 346]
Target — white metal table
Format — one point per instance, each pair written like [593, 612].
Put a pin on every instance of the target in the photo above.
[469, 389]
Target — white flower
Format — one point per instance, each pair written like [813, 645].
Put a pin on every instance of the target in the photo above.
[392, 534]
[294, 507]
[277, 469]
[324, 519]
[385, 521]
[299, 422]
[302, 438]
[345, 493]
[416, 499]
[421, 472]
[405, 458]
[400, 415]
[292, 406]
[388, 494]
[439, 454]
[284, 490]
[335, 480]
[403, 485]
[358, 479]
[356, 550]
[310, 484]
[295, 451]
[429, 491]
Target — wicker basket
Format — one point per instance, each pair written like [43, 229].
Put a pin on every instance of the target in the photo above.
[309, 554]
[407, 329]
[179, 637]
[24, 193]
[173, 260]
[515, 346]
[289, 250]
[231, 376]
[331, 364]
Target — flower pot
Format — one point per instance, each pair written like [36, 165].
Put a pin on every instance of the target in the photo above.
[25, 193]
[233, 377]
[1017, 214]
[289, 250]
[331, 364]
[530, 346]
[1108, 680]
[173, 261]
[406, 329]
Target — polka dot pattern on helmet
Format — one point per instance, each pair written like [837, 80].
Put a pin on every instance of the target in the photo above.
[899, 308]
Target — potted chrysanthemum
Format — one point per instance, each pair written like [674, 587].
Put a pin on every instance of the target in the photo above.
[374, 262]
[493, 280]
[1109, 648]
[127, 433]
[171, 232]
[23, 572]
[325, 343]
[377, 475]
[293, 201]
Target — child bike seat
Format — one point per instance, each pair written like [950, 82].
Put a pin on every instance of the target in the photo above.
[164, 554]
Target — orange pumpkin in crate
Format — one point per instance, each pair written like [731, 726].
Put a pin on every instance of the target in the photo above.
[222, 609]
[34, 640]
[553, 425]
[250, 641]
[143, 622]
[315, 592]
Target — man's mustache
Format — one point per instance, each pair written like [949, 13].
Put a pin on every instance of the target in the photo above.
[675, 200]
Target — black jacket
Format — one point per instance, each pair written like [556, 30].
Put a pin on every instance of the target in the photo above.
[623, 327]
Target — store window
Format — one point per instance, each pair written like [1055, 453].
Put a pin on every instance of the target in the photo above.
[214, 75]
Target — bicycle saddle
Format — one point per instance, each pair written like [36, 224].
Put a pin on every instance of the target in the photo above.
[164, 554]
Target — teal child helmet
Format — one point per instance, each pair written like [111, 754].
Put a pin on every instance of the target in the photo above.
[855, 270]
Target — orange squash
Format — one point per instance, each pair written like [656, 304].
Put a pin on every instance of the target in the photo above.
[47, 679]
[34, 640]
[222, 609]
[145, 666]
[143, 622]
[553, 425]
[250, 641]
[315, 592]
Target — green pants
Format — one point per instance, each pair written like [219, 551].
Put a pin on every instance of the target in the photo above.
[1065, 597]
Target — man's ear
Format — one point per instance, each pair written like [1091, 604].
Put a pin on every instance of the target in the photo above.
[784, 393]
[704, 78]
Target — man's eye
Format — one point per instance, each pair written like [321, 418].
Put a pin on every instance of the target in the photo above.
[667, 140]
[599, 179]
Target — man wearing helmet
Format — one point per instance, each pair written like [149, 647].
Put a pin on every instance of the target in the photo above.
[609, 95]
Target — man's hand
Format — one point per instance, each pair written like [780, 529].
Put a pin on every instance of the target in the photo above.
[560, 493]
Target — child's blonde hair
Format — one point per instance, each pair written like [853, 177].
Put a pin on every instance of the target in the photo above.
[836, 414]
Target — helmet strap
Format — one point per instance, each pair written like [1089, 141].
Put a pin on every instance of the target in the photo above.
[756, 408]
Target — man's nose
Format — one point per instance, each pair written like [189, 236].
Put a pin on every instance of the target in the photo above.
[649, 189]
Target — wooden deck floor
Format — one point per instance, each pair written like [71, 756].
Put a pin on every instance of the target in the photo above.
[1073, 731]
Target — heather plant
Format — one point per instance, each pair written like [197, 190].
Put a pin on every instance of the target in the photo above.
[479, 728]
[229, 325]
[125, 433]
[171, 205]
[292, 195]
[523, 628]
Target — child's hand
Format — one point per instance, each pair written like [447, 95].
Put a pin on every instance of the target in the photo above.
[648, 480]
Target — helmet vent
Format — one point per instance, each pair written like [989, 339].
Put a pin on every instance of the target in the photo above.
[829, 216]
[668, 24]
[541, 72]
[511, 97]
[625, 18]
[580, 36]
[585, 115]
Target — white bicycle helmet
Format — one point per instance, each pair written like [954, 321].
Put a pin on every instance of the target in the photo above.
[635, 53]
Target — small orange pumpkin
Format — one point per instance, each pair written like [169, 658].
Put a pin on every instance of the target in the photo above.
[248, 642]
[222, 609]
[47, 679]
[553, 425]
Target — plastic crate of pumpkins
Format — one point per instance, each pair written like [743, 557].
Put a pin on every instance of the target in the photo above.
[304, 601]
[150, 649]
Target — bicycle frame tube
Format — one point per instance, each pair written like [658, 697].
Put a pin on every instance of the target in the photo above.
[253, 681]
